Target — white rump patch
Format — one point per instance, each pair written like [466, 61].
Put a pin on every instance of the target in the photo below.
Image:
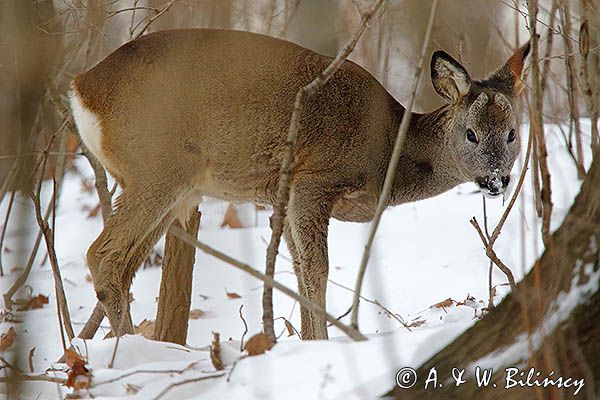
[88, 126]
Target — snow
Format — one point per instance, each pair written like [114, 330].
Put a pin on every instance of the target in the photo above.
[424, 253]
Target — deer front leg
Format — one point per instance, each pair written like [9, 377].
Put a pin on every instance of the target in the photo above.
[308, 219]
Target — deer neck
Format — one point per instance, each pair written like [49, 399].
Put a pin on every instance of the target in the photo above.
[426, 167]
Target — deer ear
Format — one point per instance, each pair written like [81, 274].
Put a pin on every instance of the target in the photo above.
[509, 77]
[450, 79]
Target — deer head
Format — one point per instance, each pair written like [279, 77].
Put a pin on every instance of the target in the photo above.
[483, 137]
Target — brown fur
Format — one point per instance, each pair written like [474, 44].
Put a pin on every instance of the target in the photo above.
[187, 113]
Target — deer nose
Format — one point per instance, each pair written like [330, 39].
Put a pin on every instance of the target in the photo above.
[493, 185]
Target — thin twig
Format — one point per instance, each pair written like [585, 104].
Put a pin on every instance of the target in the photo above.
[3, 234]
[386, 310]
[93, 323]
[145, 371]
[283, 189]
[60, 168]
[185, 382]
[61, 298]
[100, 182]
[155, 17]
[586, 82]
[537, 124]
[489, 240]
[489, 251]
[183, 235]
[491, 267]
[565, 17]
[391, 170]
[37, 378]
[245, 328]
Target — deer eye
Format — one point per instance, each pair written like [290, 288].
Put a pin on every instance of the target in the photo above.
[511, 136]
[472, 137]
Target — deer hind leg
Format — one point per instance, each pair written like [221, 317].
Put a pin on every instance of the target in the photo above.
[138, 255]
[182, 212]
[308, 219]
[140, 218]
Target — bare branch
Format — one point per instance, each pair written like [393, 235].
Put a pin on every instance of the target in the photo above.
[391, 170]
[185, 382]
[537, 123]
[61, 298]
[283, 189]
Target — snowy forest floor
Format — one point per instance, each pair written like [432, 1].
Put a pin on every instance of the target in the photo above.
[425, 253]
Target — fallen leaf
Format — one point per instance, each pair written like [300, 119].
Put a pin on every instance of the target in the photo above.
[7, 316]
[232, 295]
[78, 376]
[146, 329]
[258, 344]
[130, 388]
[416, 323]
[215, 352]
[93, 212]
[290, 328]
[197, 313]
[444, 304]
[87, 186]
[34, 302]
[231, 218]
[7, 339]
[30, 359]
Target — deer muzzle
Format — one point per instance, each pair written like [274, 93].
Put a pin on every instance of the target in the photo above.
[493, 185]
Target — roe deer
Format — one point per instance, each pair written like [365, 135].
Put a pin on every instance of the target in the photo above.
[176, 115]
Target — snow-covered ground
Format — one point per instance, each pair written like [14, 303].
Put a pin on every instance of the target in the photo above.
[425, 253]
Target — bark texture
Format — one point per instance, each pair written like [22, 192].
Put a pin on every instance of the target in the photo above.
[571, 348]
[176, 286]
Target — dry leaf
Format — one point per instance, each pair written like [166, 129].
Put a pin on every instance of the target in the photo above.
[7, 316]
[416, 323]
[289, 327]
[30, 359]
[34, 302]
[146, 329]
[231, 218]
[584, 39]
[130, 388]
[197, 313]
[258, 344]
[232, 295]
[93, 212]
[78, 376]
[215, 353]
[7, 339]
[444, 304]
[88, 278]
[87, 185]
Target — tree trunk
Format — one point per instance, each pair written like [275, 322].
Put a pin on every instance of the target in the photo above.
[175, 295]
[552, 323]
